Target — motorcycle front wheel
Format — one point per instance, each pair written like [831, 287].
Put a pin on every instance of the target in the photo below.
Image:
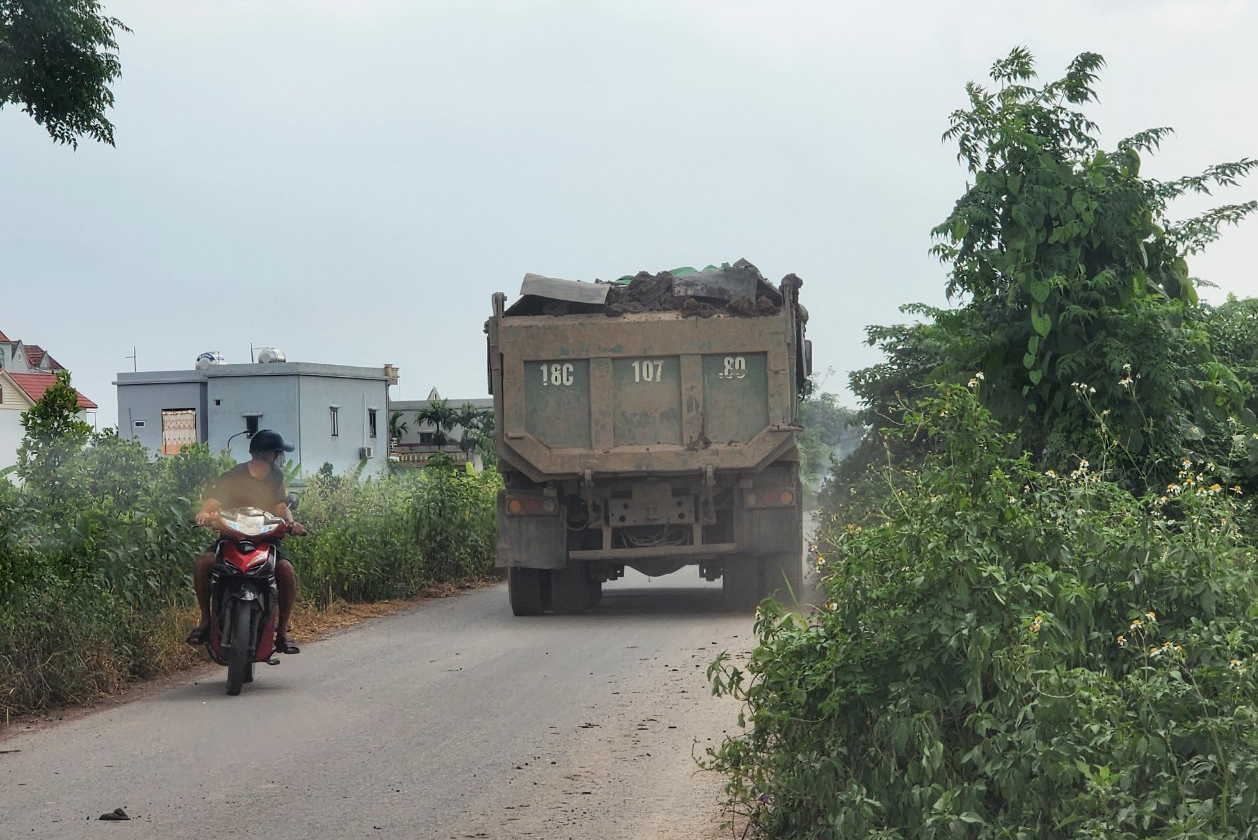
[239, 662]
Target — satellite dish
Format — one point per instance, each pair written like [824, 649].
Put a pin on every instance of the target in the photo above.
[268, 355]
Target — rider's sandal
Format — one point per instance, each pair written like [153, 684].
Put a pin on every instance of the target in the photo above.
[198, 636]
[285, 645]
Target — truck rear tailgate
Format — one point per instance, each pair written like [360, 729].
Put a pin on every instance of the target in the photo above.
[652, 391]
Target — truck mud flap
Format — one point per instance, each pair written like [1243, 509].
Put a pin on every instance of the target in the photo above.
[530, 541]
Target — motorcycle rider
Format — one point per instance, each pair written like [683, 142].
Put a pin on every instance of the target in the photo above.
[258, 482]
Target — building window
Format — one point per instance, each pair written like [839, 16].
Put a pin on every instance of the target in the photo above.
[371, 422]
[179, 429]
[336, 421]
[251, 424]
[2, 396]
[425, 438]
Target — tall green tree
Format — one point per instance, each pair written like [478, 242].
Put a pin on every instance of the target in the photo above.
[397, 426]
[1079, 323]
[830, 432]
[57, 61]
[443, 418]
[478, 430]
[54, 434]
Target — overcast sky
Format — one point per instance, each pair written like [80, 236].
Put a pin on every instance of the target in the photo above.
[351, 181]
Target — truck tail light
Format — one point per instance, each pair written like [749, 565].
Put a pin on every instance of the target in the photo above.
[771, 497]
[524, 503]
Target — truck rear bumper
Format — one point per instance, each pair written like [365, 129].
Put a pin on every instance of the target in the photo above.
[689, 552]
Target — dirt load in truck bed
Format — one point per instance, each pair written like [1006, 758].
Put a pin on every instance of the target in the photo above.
[737, 289]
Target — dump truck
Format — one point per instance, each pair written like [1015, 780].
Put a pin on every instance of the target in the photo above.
[650, 425]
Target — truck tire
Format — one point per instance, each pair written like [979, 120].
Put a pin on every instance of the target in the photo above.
[784, 576]
[741, 582]
[524, 589]
[572, 590]
[238, 658]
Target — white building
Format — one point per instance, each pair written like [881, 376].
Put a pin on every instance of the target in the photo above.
[333, 414]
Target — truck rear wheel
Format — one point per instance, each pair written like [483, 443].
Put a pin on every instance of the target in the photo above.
[524, 589]
[741, 584]
[784, 576]
[572, 590]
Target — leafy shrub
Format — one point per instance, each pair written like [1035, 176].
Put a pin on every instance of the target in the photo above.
[61, 642]
[389, 537]
[96, 552]
[1007, 653]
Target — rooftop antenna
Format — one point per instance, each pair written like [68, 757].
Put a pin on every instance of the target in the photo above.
[134, 367]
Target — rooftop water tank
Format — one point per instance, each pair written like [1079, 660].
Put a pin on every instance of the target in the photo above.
[210, 357]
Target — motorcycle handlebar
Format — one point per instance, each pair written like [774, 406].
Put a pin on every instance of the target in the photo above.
[284, 529]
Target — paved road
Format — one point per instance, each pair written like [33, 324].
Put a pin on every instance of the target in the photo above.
[451, 720]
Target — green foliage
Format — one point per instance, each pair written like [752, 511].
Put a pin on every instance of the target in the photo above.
[443, 418]
[1233, 332]
[57, 60]
[1071, 274]
[389, 537]
[397, 426]
[54, 434]
[475, 427]
[63, 641]
[88, 573]
[1009, 653]
[478, 432]
[91, 554]
[1017, 643]
[830, 433]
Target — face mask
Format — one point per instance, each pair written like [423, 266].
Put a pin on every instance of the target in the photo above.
[280, 460]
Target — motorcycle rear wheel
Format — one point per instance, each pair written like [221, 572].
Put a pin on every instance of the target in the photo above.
[239, 662]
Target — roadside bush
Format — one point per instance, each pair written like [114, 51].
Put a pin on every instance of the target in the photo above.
[391, 536]
[62, 642]
[96, 551]
[94, 554]
[1009, 654]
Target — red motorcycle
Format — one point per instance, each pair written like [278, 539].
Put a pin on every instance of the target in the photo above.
[244, 598]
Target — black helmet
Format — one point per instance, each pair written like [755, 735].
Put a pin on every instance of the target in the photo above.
[268, 440]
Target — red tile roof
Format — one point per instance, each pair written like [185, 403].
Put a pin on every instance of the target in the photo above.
[34, 385]
[3, 337]
[34, 355]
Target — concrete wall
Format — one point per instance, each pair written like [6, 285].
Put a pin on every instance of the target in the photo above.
[352, 400]
[143, 396]
[231, 399]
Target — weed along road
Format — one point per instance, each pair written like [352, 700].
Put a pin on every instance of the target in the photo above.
[451, 720]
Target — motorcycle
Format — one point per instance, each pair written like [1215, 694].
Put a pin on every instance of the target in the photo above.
[244, 597]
